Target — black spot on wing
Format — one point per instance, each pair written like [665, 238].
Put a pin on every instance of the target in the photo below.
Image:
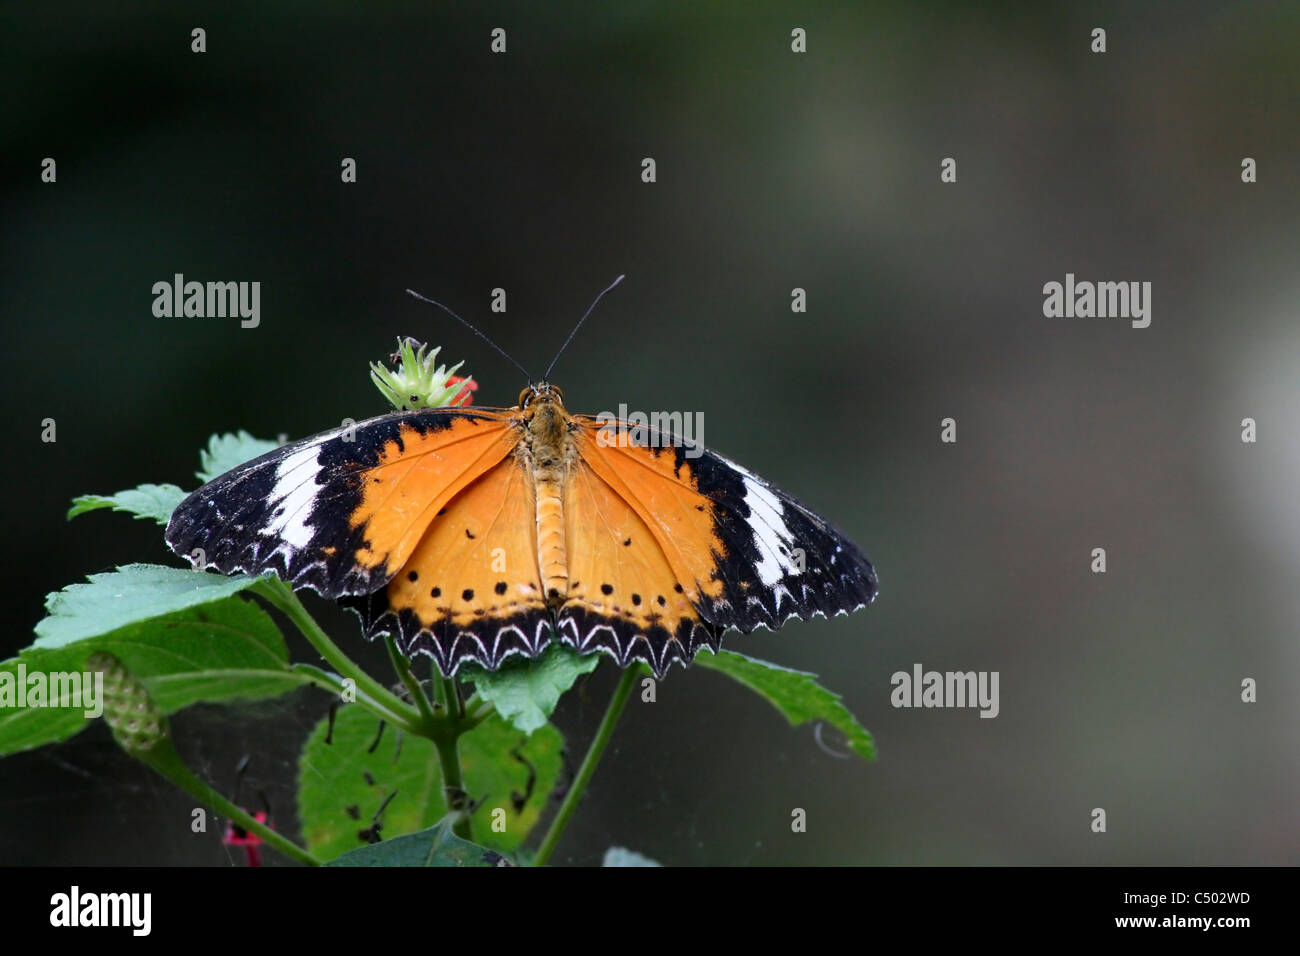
[487, 640]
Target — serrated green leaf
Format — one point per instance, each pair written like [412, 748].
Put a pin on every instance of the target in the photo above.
[228, 451]
[621, 856]
[132, 593]
[796, 694]
[337, 800]
[219, 651]
[526, 690]
[436, 846]
[148, 501]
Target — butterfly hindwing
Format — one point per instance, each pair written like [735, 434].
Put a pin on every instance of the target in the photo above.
[470, 590]
[340, 512]
[624, 596]
[748, 554]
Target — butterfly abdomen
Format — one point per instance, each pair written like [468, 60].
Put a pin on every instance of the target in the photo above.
[552, 557]
[548, 450]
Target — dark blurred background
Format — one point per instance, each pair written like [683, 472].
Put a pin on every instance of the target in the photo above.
[775, 170]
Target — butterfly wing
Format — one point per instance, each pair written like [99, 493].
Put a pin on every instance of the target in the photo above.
[747, 554]
[624, 596]
[471, 589]
[341, 512]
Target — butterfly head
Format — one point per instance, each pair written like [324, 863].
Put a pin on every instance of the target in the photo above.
[542, 405]
[541, 393]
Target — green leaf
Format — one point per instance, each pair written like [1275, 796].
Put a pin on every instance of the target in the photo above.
[228, 451]
[148, 501]
[132, 593]
[219, 651]
[796, 694]
[621, 856]
[526, 690]
[436, 846]
[337, 798]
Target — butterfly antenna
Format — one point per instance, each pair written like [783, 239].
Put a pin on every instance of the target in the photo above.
[592, 308]
[423, 298]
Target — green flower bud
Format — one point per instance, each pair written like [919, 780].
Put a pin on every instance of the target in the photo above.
[418, 381]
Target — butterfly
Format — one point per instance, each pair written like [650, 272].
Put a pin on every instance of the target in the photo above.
[473, 534]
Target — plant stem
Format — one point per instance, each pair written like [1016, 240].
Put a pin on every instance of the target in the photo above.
[282, 596]
[453, 783]
[451, 696]
[403, 668]
[449, 725]
[606, 730]
[316, 677]
[166, 762]
[479, 710]
[439, 688]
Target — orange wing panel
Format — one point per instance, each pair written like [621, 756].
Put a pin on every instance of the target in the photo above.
[470, 589]
[418, 474]
[624, 595]
[679, 518]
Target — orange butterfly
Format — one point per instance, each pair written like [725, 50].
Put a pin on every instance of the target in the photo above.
[475, 533]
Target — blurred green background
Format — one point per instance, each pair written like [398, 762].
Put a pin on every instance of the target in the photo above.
[775, 170]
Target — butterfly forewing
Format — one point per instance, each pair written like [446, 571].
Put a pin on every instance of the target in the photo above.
[340, 512]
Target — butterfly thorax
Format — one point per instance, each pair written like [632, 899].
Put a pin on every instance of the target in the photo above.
[547, 449]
